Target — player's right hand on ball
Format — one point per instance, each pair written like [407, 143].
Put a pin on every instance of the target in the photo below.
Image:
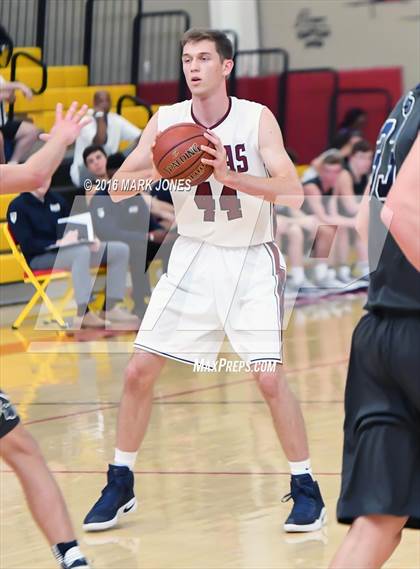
[67, 129]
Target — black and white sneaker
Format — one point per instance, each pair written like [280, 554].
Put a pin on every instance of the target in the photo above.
[69, 556]
[70, 562]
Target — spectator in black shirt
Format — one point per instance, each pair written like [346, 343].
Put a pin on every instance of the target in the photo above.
[354, 177]
[349, 189]
[354, 121]
[129, 221]
[332, 227]
[33, 219]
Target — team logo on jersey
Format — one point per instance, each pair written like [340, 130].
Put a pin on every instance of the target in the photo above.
[408, 104]
[55, 207]
[384, 168]
[7, 411]
[133, 209]
[101, 212]
[13, 216]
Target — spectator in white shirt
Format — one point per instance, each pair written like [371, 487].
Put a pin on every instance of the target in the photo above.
[108, 130]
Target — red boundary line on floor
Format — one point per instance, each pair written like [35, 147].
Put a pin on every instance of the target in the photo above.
[179, 393]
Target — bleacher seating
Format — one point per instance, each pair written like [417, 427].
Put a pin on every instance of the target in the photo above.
[306, 118]
[65, 84]
[30, 50]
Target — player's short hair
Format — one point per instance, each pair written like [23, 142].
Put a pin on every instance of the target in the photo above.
[91, 149]
[332, 159]
[223, 44]
[361, 146]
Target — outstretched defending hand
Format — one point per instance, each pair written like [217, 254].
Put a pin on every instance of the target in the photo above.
[67, 129]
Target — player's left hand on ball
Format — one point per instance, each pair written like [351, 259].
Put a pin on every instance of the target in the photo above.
[219, 163]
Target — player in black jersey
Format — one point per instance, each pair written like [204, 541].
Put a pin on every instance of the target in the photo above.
[17, 446]
[380, 491]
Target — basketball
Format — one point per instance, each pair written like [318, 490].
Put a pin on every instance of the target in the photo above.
[177, 153]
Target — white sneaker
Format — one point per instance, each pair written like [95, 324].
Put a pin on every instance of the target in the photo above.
[89, 320]
[310, 289]
[330, 282]
[118, 314]
[344, 275]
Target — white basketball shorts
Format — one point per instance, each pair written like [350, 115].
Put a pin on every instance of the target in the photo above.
[211, 291]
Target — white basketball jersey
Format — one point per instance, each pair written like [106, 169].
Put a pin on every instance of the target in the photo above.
[214, 213]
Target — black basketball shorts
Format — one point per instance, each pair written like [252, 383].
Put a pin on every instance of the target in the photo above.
[381, 457]
[8, 415]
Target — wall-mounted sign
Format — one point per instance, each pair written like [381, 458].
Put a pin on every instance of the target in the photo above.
[312, 29]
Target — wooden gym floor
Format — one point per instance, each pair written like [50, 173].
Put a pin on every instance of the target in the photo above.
[210, 475]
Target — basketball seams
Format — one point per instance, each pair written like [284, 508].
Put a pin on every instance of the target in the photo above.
[175, 150]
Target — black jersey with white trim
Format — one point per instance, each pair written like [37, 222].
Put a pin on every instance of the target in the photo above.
[394, 282]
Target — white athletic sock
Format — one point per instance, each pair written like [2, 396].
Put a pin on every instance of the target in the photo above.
[122, 458]
[302, 467]
[297, 273]
[362, 267]
[320, 271]
[343, 272]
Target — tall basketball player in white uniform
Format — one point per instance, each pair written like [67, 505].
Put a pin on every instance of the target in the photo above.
[225, 274]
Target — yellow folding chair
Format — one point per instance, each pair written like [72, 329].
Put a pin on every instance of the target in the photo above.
[40, 281]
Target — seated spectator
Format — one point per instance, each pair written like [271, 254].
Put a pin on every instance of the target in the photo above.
[128, 221]
[21, 134]
[33, 219]
[291, 228]
[354, 121]
[342, 145]
[350, 187]
[321, 204]
[107, 130]
[355, 175]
